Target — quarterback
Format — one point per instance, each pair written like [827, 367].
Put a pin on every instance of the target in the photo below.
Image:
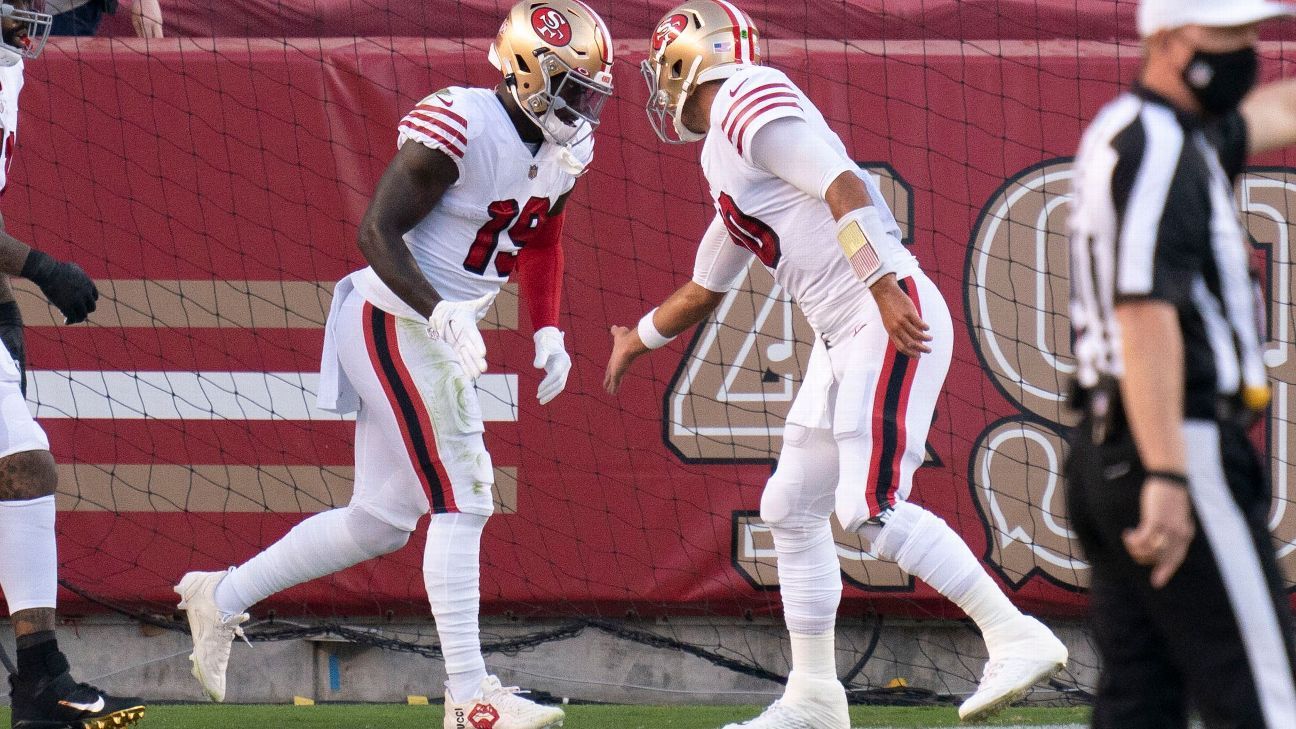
[787, 193]
[474, 196]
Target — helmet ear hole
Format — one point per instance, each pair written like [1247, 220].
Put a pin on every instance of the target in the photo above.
[677, 68]
[521, 63]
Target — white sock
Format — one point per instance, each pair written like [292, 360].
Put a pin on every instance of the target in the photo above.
[814, 656]
[809, 576]
[28, 554]
[451, 573]
[323, 544]
[924, 546]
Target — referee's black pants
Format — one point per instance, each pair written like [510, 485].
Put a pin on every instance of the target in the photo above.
[1218, 636]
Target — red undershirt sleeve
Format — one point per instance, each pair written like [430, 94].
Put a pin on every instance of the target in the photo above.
[539, 273]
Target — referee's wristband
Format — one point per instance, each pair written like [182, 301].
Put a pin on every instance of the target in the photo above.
[1174, 477]
[649, 335]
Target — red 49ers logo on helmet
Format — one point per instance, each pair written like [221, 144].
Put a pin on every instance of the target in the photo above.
[552, 26]
[669, 30]
[483, 716]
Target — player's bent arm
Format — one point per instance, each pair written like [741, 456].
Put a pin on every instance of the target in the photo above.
[851, 206]
[685, 308]
[409, 189]
[790, 149]
[65, 284]
[539, 274]
[717, 267]
[1270, 115]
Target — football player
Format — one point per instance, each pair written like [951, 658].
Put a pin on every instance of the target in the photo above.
[788, 194]
[43, 693]
[474, 195]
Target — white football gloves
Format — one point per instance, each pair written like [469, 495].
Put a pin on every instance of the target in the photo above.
[455, 323]
[551, 356]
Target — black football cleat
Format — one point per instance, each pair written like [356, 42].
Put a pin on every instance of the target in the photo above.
[62, 703]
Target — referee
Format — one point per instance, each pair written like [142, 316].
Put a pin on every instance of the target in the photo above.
[1166, 492]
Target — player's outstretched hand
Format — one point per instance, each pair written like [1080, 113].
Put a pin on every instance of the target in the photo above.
[455, 323]
[900, 318]
[1165, 529]
[552, 357]
[65, 284]
[626, 347]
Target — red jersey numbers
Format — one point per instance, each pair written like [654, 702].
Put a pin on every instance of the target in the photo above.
[521, 225]
[749, 232]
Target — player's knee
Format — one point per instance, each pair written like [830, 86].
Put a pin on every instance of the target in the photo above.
[777, 508]
[901, 523]
[373, 535]
[27, 475]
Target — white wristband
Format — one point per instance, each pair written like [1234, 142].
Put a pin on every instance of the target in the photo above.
[862, 238]
[649, 335]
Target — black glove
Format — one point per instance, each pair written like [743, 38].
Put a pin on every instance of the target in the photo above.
[11, 333]
[64, 284]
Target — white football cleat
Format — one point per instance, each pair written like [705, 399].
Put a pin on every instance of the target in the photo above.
[212, 634]
[806, 704]
[500, 707]
[1022, 654]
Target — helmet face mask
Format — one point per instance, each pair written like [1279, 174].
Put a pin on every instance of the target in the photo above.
[26, 27]
[661, 105]
[567, 110]
[696, 42]
[556, 57]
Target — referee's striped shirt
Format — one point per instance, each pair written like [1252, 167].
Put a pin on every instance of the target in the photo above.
[1153, 216]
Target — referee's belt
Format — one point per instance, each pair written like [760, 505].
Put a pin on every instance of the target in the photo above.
[1102, 404]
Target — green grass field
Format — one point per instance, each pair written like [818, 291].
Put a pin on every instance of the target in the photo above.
[353, 716]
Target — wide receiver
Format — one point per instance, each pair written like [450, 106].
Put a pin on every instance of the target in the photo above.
[475, 194]
[787, 193]
[43, 693]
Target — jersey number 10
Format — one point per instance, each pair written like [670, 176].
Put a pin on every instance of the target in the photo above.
[504, 215]
[749, 232]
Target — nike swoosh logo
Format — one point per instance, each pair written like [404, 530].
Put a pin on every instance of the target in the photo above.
[734, 91]
[445, 102]
[97, 706]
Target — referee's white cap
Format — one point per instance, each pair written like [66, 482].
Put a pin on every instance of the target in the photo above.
[1158, 15]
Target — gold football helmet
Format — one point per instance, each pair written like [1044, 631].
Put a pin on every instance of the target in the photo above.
[699, 41]
[556, 57]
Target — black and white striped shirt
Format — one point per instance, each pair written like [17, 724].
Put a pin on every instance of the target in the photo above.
[1153, 216]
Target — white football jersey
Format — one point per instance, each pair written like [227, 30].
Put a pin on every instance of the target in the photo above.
[792, 233]
[466, 247]
[11, 83]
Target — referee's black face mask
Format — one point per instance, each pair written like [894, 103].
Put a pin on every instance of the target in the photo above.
[1219, 81]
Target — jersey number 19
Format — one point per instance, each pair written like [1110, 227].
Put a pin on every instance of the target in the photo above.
[504, 215]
